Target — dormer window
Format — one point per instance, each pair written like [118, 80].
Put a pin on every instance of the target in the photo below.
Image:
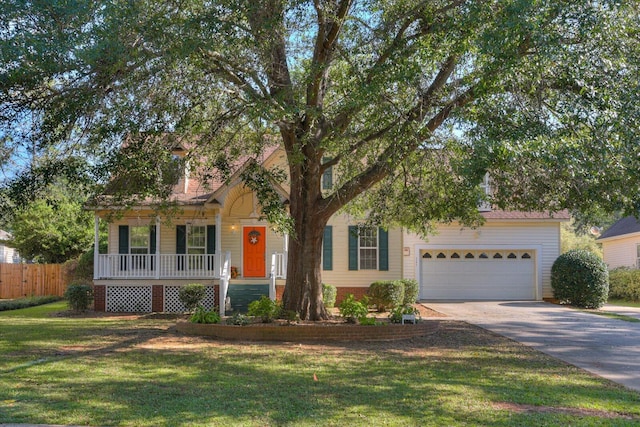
[485, 186]
[327, 176]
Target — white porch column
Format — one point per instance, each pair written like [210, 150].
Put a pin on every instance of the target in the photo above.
[96, 246]
[219, 242]
[286, 243]
[157, 254]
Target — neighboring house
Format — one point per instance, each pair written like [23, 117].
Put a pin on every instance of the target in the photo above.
[8, 255]
[621, 243]
[219, 233]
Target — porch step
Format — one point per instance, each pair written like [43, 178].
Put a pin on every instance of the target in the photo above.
[242, 294]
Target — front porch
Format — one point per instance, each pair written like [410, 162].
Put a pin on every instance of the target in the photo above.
[146, 283]
[158, 266]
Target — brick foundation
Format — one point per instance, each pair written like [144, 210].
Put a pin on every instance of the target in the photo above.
[342, 292]
[99, 298]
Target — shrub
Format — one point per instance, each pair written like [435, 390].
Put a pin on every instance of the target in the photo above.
[624, 283]
[329, 293]
[580, 278]
[16, 304]
[191, 295]
[238, 319]
[411, 291]
[351, 309]
[264, 308]
[290, 316]
[367, 321]
[386, 294]
[79, 296]
[201, 315]
[396, 314]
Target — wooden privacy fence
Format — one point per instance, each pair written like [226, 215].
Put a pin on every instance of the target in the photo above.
[25, 280]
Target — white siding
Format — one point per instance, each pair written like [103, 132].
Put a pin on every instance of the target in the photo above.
[620, 252]
[545, 235]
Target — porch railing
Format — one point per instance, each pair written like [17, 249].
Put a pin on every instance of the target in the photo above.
[163, 266]
[278, 271]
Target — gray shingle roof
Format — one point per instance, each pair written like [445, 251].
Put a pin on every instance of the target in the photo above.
[626, 225]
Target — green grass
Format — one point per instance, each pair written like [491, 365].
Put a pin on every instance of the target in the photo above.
[624, 303]
[612, 315]
[118, 371]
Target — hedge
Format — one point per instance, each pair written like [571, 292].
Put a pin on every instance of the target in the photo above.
[624, 283]
[386, 294]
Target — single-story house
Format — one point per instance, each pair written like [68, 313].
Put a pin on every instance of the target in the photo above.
[621, 243]
[219, 240]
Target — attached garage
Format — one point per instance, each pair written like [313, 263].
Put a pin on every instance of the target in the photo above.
[472, 273]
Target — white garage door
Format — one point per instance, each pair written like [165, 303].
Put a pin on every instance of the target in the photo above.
[477, 274]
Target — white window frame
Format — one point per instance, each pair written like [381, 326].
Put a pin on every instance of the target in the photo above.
[196, 249]
[135, 249]
[196, 263]
[327, 176]
[364, 262]
[139, 262]
[485, 186]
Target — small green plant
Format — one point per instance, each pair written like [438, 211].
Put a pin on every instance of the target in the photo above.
[191, 295]
[351, 309]
[290, 316]
[385, 294]
[395, 316]
[201, 315]
[580, 278]
[367, 321]
[238, 319]
[264, 308]
[79, 296]
[329, 293]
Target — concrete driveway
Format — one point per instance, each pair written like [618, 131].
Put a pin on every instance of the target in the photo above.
[606, 347]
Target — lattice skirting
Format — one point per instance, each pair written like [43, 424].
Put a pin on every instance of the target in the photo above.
[172, 303]
[129, 299]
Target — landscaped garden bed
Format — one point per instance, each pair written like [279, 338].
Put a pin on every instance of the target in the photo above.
[309, 331]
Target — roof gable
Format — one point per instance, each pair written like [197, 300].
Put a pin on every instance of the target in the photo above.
[626, 225]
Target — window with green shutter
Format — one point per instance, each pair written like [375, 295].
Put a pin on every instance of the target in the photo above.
[368, 248]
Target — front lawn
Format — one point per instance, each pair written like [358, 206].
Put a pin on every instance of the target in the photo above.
[124, 370]
[624, 303]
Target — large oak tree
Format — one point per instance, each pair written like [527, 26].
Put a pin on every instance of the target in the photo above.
[409, 103]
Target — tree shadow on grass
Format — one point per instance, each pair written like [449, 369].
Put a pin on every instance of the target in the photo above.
[448, 378]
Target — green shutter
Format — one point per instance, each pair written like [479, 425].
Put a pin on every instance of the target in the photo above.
[383, 250]
[181, 245]
[152, 244]
[181, 239]
[327, 248]
[123, 245]
[152, 239]
[211, 245]
[123, 239]
[211, 239]
[353, 247]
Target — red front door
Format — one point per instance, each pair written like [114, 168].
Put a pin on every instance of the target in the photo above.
[253, 239]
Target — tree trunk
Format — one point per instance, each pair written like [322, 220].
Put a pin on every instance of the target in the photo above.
[303, 291]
